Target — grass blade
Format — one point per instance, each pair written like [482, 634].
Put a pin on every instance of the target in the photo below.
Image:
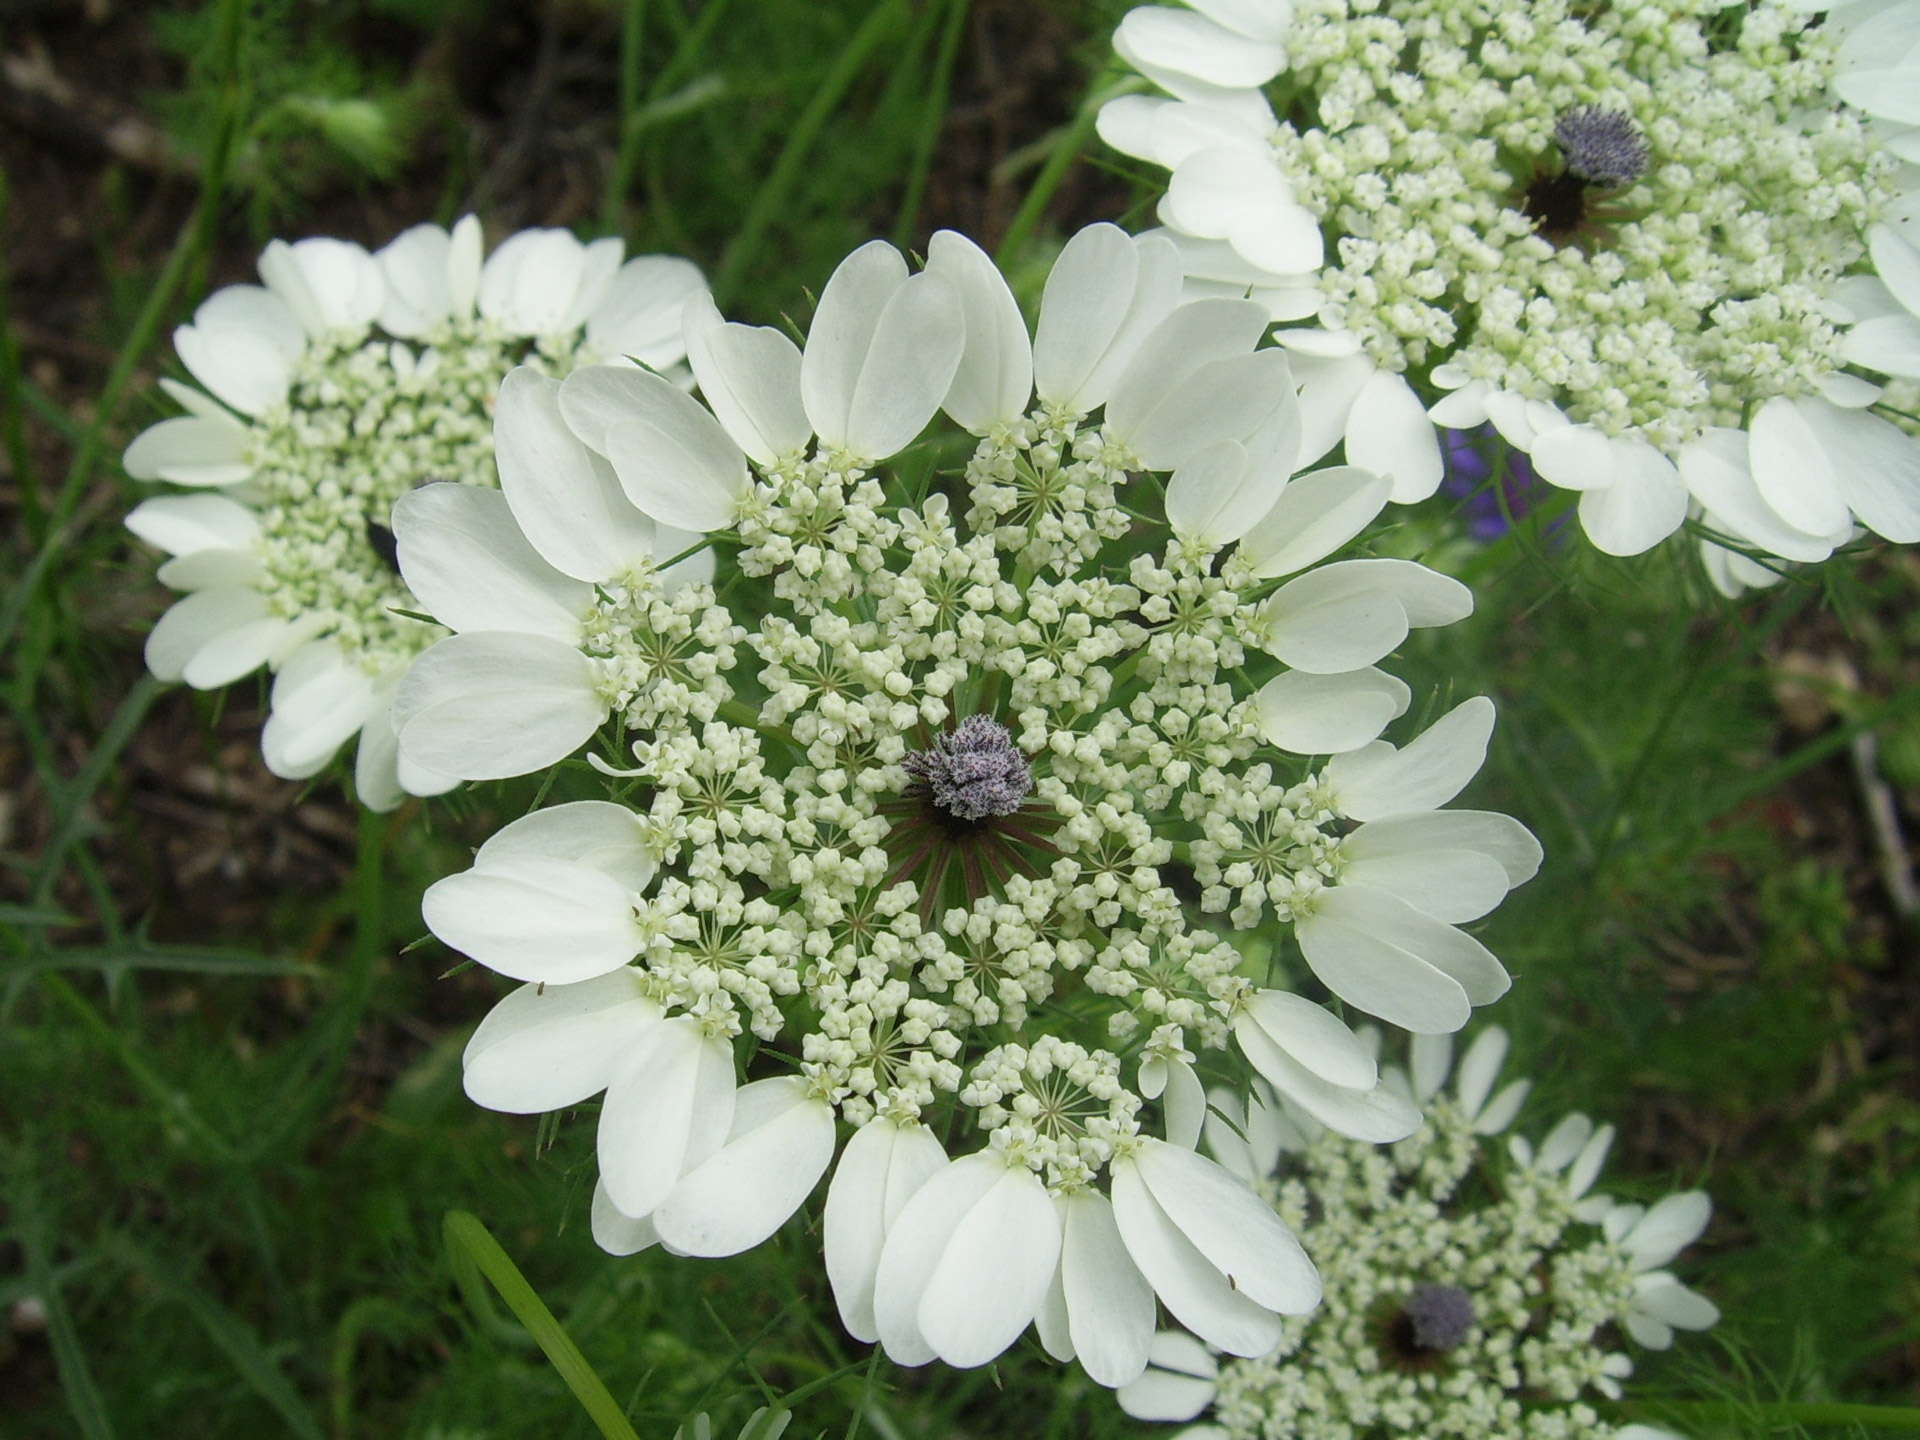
[470, 1246]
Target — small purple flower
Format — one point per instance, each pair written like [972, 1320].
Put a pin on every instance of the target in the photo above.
[1602, 146]
[1469, 469]
[974, 772]
[1440, 1316]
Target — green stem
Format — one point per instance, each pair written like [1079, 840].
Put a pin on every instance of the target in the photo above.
[471, 1247]
[1785, 1412]
[771, 198]
[928, 139]
[632, 31]
[1067, 145]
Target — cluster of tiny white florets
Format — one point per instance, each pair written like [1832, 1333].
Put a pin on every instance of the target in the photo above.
[1387, 1228]
[362, 424]
[915, 804]
[1428, 120]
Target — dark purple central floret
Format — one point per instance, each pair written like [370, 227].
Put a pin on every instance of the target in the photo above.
[1440, 1316]
[1602, 146]
[973, 773]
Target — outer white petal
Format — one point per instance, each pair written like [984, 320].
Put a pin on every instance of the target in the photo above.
[993, 1273]
[995, 377]
[914, 1246]
[240, 368]
[1227, 399]
[1110, 1309]
[1238, 1232]
[1715, 471]
[1315, 515]
[1793, 469]
[1191, 1286]
[1890, 345]
[1500, 837]
[640, 313]
[1388, 433]
[463, 555]
[842, 334]
[1181, 1382]
[548, 1047]
[599, 264]
[750, 376]
[1674, 1223]
[214, 636]
[1373, 1112]
[1193, 45]
[674, 460]
[1877, 466]
[191, 450]
[1664, 1298]
[615, 1233]
[1314, 1037]
[1346, 615]
[1897, 263]
[1574, 457]
[1377, 781]
[334, 286]
[779, 1146]
[187, 524]
[667, 1109]
[1587, 1164]
[1310, 714]
[257, 312]
[536, 919]
[418, 268]
[882, 1167]
[1329, 384]
[595, 833]
[320, 699]
[1192, 336]
[907, 370]
[1645, 503]
[1343, 946]
[1391, 921]
[486, 706]
[1238, 195]
[1647, 1331]
[1104, 294]
[1429, 1057]
[1246, 1135]
[564, 498]
[528, 285]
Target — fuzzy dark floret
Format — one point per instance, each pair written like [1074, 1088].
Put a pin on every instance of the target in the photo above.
[974, 772]
[1440, 1315]
[1602, 146]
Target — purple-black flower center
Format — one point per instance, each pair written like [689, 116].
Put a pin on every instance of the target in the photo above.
[1439, 1316]
[974, 772]
[1601, 150]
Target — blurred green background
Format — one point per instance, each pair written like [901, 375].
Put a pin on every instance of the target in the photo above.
[230, 1114]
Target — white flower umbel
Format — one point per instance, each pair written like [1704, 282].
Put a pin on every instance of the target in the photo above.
[953, 788]
[1665, 249]
[346, 381]
[1468, 1291]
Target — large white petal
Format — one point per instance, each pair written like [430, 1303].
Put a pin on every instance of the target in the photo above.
[1668, 1301]
[549, 1047]
[417, 265]
[667, 1109]
[914, 1246]
[1897, 263]
[320, 699]
[1793, 469]
[673, 458]
[778, 1148]
[197, 622]
[1715, 471]
[1377, 780]
[1645, 503]
[486, 706]
[1373, 1113]
[536, 919]
[1188, 1284]
[1309, 714]
[1110, 1309]
[842, 334]
[564, 499]
[995, 376]
[1672, 1224]
[1315, 515]
[242, 369]
[1193, 335]
[1313, 1036]
[1233, 1228]
[191, 450]
[595, 833]
[1329, 384]
[1454, 886]
[528, 285]
[750, 376]
[640, 312]
[1225, 399]
[187, 524]
[907, 370]
[257, 312]
[1383, 978]
[882, 1167]
[1098, 306]
[1332, 620]
[1180, 1384]
[616, 1233]
[1877, 465]
[1479, 1067]
[1191, 44]
[993, 1273]
[1388, 432]
[333, 286]
[463, 555]
[1500, 837]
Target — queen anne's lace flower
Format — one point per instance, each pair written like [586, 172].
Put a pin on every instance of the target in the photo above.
[1468, 1293]
[1665, 249]
[349, 380]
[952, 791]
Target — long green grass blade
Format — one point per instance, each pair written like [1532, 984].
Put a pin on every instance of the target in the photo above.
[470, 1245]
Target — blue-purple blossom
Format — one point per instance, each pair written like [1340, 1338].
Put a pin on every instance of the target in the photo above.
[974, 772]
[1440, 1315]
